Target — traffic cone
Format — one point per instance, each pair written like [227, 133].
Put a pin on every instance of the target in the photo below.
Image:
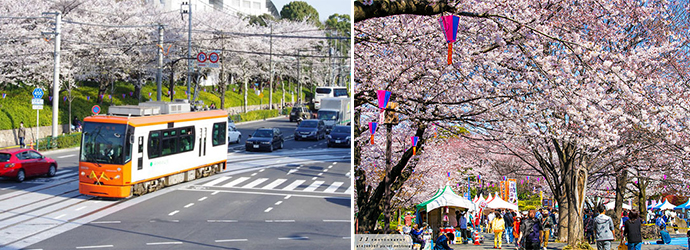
[31, 144]
[476, 238]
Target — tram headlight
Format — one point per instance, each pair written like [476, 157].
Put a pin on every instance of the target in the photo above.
[116, 177]
[82, 173]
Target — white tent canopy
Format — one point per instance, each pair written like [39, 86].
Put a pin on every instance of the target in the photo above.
[664, 206]
[612, 205]
[498, 203]
[446, 198]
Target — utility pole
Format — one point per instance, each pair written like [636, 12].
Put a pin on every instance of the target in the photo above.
[270, 62]
[56, 72]
[299, 80]
[189, 48]
[245, 94]
[159, 73]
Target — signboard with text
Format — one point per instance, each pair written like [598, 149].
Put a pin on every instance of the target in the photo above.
[208, 59]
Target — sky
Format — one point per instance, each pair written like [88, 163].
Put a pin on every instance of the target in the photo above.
[324, 7]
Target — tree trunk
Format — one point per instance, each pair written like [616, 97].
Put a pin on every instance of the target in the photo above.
[621, 181]
[564, 219]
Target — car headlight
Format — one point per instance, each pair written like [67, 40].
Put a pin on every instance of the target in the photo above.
[329, 137]
[347, 138]
[9, 165]
[248, 142]
[265, 142]
[312, 132]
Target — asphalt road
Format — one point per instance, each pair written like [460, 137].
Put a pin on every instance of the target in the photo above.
[294, 198]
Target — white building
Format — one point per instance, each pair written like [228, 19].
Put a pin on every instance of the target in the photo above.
[244, 7]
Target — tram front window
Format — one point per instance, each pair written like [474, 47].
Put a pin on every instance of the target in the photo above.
[103, 143]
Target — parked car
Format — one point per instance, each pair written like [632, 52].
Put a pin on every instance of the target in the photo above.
[299, 112]
[234, 135]
[22, 163]
[339, 136]
[265, 139]
[310, 129]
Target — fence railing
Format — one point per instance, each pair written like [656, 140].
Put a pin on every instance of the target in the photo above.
[61, 141]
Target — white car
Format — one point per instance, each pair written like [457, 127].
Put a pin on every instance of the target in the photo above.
[234, 135]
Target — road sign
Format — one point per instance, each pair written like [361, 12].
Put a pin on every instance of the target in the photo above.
[38, 93]
[95, 109]
[208, 59]
[37, 107]
[36, 101]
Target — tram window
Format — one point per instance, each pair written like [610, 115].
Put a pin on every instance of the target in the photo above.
[219, 133]
[154, 144]
[186, 139]
[169, 142]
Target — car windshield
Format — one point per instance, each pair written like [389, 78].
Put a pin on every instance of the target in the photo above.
[263, 133]
[308, 124]
[4, 157]
[323, 90]
[103, 143]
[341, 130]
[327, 115]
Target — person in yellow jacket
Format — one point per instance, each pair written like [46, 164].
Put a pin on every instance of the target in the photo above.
[498, 225]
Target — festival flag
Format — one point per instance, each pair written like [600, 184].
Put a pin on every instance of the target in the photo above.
[449, 24]
[372, 130]
[415, 139]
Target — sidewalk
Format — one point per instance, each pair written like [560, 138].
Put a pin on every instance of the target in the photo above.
[489, 244]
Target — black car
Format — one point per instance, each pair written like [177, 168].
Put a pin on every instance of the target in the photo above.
[339, 136]
[298, 112]
[310, 129]
[265, 139]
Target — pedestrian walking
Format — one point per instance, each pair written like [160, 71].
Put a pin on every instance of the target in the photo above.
[21, 133]
[498, 226]
[546, 224]
[632, 229]
[603, 226]
[508, 218]
[589, 227]
[529, 231]
[462, 223]
[516, 229]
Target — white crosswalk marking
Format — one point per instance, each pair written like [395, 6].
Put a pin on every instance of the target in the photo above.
[333, 187]
[294, 184]
[216, 181]
[235, 182]
[349, 190]
[313, 186]
[274, 184]
[255, 183]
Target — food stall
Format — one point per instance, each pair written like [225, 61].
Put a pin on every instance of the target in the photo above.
[440, 210]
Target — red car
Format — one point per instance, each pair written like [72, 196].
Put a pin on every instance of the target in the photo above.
[22, 162]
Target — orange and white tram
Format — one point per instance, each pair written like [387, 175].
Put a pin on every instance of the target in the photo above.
[135, 150]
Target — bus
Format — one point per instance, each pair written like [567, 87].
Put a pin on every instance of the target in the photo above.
[134, 150]
[324, 92]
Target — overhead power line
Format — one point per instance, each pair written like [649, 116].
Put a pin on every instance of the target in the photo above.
[110, 25]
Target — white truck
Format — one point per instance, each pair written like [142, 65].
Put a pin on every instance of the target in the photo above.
[334, 111]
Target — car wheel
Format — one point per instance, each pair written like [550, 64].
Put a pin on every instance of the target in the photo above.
[281, 145]
[238, 139]
[52, 170]
[21, 176]
[270, 148]
[296, 138]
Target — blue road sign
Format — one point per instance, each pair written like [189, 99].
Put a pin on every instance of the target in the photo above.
[38, 93]
[95, 109]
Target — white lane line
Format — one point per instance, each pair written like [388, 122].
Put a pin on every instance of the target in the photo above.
[262, 170]
[235, 182]
[106, 222]
[333, 187]
[314, 178]
[62, 215]
[80, 208]
[214, 193]
[335, 162]
[65, 156]
[274, 184]
[203, 198]
[347, 174]
[164, 243]
[346, 221]
[331, 166]
[174, 212]
[101, 246]
[320, 174]
[348, 191]
[294, 184]
[8, 188]
[278, 161]
[255, 183]
[313, 186]
[175, 221]
[189, 205]
[347, 238]
[325, 170]
[287, 197]
[253, 174]
[280, 221]
[278, 203]
[230, 240]
[294, 238]
[216, 181]
[221, 221]
[268, 209]
[292, 171]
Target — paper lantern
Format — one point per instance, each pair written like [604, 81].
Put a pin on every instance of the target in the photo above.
[123, 96]
[110, 97]
[87, 98]
[4, 95]
[130, 93]
[449, 24]
[415, 139]
[384, 96]
[372, 130]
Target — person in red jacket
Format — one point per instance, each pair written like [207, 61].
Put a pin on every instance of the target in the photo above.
[516, 228]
